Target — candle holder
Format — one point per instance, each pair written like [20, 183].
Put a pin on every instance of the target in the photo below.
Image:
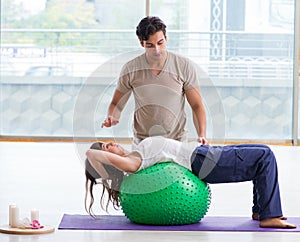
[24, 226]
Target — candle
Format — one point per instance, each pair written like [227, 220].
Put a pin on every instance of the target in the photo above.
[9, 213]
[14, 216]
[34, 214]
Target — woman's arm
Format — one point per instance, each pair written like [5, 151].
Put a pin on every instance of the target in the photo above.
[128, 163]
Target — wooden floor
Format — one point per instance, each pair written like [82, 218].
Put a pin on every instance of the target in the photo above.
[50, 177]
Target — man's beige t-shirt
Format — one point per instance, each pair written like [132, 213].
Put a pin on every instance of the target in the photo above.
[159, 99]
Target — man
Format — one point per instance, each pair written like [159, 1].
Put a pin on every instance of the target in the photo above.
[160, 81]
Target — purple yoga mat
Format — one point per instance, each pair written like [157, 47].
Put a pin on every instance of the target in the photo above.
[209, 223]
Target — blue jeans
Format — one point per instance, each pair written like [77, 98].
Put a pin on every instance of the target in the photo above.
[238, 163]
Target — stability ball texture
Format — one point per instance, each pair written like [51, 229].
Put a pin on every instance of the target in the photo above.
[164, 194]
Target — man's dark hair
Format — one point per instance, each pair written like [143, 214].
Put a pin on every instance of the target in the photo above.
[149, 26]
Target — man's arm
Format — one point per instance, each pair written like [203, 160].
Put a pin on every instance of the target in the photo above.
[199, 115]
[115, 108]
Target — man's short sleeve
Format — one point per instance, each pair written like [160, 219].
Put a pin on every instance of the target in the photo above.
[190, 76]
[123, 84]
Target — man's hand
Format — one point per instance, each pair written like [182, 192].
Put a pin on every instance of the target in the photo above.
[202, 140]
[109, 121]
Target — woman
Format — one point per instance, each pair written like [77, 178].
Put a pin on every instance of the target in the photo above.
[212, 164]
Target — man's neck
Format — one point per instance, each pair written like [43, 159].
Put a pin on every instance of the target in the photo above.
[157, 65]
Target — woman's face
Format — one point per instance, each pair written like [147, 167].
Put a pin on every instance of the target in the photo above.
[113, 147]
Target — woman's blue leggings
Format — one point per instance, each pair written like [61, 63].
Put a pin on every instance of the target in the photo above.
[238, 163]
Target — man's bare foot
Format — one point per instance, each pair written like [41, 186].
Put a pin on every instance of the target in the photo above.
[256, 217]
[275, 223]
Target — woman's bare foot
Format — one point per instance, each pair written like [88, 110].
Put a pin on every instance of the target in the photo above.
[255, 217]
[276, 223]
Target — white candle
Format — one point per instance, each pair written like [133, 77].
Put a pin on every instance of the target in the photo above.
[14, 216]
[9, 213]
[34, 214]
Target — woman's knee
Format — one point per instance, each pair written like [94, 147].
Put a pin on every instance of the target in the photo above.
[269, 158]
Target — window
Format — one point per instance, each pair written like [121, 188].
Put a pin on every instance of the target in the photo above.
[47, 58]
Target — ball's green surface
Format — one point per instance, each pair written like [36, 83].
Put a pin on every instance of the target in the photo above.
[164, 194]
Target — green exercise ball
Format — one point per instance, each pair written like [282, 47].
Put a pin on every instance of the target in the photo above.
[164, 194]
